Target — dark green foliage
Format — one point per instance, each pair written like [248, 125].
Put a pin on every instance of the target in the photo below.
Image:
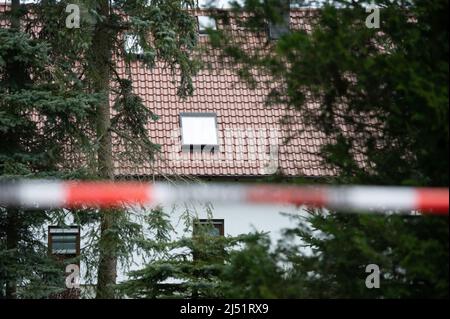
[130, 124]
[390, 95]
[30, 90]
[173, 33]
[389, 88]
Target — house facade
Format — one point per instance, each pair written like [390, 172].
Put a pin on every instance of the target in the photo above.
[242, 137]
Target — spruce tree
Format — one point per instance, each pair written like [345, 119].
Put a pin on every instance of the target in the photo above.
[381, 99]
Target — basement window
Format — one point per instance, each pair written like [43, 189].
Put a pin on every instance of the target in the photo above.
[132, 45]
[199, 132]
[64, 240]
[205, 232]
[205, 23]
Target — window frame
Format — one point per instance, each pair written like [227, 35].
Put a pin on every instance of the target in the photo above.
[199, 147]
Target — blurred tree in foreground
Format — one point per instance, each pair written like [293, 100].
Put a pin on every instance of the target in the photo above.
[382, 101]
[205, 265]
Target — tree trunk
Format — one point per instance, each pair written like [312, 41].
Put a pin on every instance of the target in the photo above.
[12, 240]
[100, 75]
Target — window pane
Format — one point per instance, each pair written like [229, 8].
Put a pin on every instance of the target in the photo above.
[199, 130]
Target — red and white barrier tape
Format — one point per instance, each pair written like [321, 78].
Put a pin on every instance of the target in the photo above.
[50, 194]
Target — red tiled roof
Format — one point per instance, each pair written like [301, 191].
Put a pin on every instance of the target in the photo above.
[238, 108]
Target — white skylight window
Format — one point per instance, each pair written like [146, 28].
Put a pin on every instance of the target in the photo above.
[205, 22]
[199, 131]
[132, 45]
